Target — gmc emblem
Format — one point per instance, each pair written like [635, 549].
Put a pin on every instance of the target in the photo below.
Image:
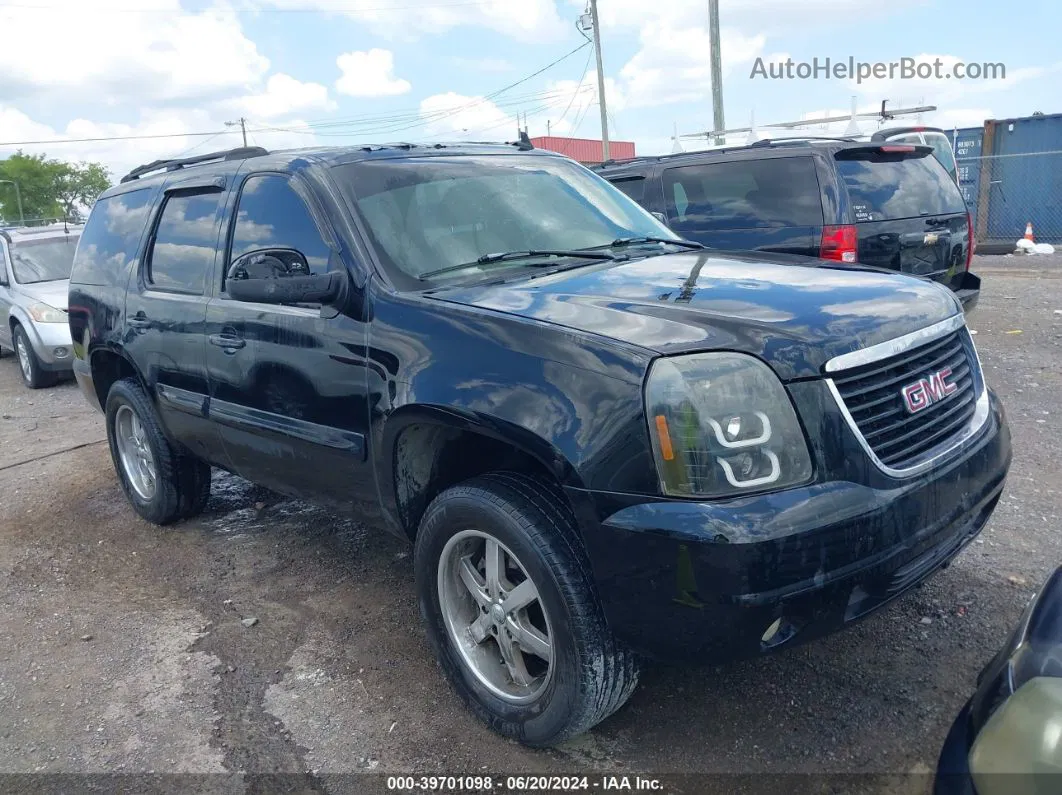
[924, 392]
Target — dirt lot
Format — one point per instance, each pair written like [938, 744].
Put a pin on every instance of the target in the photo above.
[122, 645]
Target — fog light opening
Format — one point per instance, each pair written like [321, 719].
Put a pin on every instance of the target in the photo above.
[780, 631]
[60, 353]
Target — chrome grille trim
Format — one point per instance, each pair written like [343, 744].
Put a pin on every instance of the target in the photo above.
[896, 347]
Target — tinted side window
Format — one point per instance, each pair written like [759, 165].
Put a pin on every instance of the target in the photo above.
[111, 238]
[908, 188]
[635, 188]
[182, 251]
[272, 214]
[747, 194]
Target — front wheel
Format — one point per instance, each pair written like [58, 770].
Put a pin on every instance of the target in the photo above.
[33, 374]
[504, 588]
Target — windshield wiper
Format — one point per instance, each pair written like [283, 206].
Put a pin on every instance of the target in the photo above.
[512, 256]
[621, 242]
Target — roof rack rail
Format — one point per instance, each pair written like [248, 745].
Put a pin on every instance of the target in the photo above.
[173, 164]
[801, 139]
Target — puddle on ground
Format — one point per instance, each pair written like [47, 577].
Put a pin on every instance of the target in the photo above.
[239, 507]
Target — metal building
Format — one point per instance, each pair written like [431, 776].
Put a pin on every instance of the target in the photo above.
[587, 151]
[1010, 173]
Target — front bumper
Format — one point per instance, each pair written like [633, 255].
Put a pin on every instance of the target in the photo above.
[705, 581]
[51, 342]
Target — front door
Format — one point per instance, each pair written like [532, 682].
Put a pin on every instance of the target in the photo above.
[287, 382]
[165, 313]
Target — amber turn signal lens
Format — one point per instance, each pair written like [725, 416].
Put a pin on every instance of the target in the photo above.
[666, 450]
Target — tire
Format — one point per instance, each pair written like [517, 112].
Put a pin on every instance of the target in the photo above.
[590, 674]
[33, 374]
[181, 482]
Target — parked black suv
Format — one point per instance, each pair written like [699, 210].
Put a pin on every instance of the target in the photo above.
[604, 441]
[879, 203]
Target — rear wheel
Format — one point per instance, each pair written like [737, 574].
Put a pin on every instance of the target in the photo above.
[33, 374]
[163, 484]
[504, 588]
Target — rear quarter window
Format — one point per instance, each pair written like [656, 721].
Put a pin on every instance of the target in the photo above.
[747, 194]
[908, 188]
[111, 238]
[633, 187]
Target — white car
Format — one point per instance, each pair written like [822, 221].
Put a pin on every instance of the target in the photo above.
[35, 267]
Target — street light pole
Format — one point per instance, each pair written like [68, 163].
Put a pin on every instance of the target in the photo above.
[600, 80]
[717, 69]
[18, 198]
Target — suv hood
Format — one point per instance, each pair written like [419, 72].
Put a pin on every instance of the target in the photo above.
[54, 293]
[795, 317]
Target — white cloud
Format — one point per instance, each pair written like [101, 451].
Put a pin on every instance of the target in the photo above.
[524, 19]
[673, 64]
[369, 74]
[284, 95]
[942, 90]
[456, 116]
[129, 56]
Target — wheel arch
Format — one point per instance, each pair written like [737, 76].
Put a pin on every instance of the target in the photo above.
[426, 449]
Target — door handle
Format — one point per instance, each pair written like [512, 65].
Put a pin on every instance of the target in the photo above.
[227, 342]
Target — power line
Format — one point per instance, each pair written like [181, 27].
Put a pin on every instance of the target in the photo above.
[111, 138]
[578, 88]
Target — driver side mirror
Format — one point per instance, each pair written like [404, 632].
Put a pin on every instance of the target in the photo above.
[280, 276]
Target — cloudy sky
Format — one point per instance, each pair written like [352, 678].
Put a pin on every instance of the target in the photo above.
[306, 72]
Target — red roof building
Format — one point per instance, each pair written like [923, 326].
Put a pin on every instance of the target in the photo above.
[587, 151]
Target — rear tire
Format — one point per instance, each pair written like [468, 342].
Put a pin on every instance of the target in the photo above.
[162, 484]
[33, 374]
[585, 675]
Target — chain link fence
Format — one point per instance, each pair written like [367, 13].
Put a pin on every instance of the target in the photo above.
[1005, 192]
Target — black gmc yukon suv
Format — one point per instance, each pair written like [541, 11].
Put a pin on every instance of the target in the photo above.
[605, 442]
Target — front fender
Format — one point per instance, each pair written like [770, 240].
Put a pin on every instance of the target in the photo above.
[572, 403]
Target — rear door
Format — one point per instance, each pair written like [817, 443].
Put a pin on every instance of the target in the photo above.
[166, 311]
[770, 204]
[909, 214]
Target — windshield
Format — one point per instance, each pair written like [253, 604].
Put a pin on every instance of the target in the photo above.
[426, 214]
[43, 260]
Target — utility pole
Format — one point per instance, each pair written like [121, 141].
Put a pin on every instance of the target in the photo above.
[717, 69]
[18, 198]
[243, 127]
[600, 80]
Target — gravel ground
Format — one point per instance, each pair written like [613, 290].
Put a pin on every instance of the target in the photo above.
[125, 649]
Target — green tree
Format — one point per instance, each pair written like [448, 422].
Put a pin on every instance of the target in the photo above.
[50, 188]
[77, 185]
[35, 176]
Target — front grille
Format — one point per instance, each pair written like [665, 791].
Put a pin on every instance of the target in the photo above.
[872, 395]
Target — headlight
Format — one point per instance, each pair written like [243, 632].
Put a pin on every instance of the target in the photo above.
[43, 313]
[722, 424]
[1019, 751]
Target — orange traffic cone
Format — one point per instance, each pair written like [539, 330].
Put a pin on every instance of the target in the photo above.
[1029, 233]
